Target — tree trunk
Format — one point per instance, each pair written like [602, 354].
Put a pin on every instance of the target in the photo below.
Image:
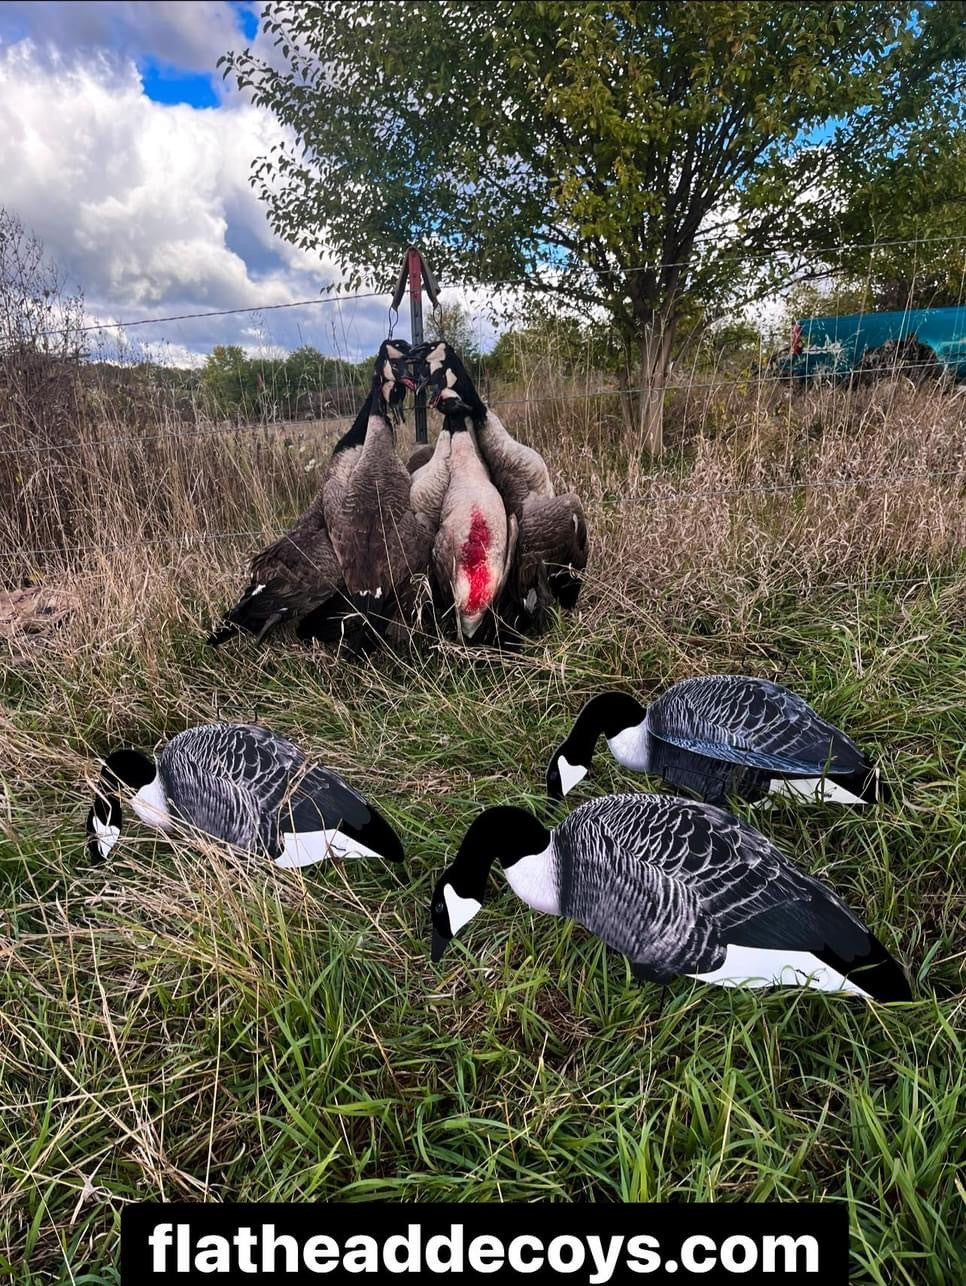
[642, 387]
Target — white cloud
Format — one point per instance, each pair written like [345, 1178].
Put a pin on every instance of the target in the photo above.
[191, 36]
[149, 209]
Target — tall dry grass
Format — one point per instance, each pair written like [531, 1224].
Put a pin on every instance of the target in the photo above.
[181, 1023]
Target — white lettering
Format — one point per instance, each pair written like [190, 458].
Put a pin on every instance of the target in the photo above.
[604, 1263]
[159, 1241]
[485, 1254]
[515, 1258]
[575, 1259]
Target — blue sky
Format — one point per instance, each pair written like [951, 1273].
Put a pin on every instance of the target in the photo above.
[127, 153]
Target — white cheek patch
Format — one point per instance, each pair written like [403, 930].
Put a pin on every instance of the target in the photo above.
[570, 774]
[107, 835]
[436, 359]
[461, 910]
[450, 378]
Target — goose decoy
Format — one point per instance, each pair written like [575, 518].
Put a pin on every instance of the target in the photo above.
[244, 785]
[721, 735]
[366, 500]
[679, 888]
[298, 576]
[475, 541]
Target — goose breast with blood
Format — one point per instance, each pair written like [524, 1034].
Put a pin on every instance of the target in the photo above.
[720, 736]
[377, 538]
[680, 888]
[246, 786]
[475, 542]
[518, 471]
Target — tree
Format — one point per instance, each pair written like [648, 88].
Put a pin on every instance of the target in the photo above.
[42, 340]
[634, 159]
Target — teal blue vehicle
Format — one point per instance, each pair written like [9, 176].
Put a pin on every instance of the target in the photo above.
[917, 342]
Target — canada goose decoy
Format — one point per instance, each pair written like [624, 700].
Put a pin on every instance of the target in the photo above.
[474, 545]
[680, 888]
[518, 471]
[378, 540]
[246, 786]
[298, 575]
[719, 736]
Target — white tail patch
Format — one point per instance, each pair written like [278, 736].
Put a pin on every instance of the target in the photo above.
[305, 848]
[771, 967]
[570, 774]
[815, 790]
[460, 910]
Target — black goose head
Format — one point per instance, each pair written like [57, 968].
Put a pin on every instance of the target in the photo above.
[505, 834]
[391, 376]
[606, 715]
[452, 392]
[104, 820]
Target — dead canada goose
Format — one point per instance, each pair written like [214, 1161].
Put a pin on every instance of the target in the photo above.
[376, 537]
[551, 554]
[299, 576]
[420, 456]
[475, 543]
[517, 470]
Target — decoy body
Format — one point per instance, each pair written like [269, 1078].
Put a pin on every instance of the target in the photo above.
[246, 786]
[677, 886]
[299, 576]
[720, 736]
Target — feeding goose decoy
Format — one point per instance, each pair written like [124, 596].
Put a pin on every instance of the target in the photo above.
[720, 736]
[366, 498]
[680, 888]
[246, 786]
[298, 576]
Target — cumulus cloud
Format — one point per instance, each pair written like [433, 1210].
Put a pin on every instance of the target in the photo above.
[192, 36]
[148, 208]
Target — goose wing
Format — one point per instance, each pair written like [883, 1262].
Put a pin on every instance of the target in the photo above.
[229, 780]
[321, 801]
[673, 883]
[751, 721]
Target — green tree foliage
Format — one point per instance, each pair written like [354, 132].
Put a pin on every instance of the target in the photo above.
[633, 158]
[306, 383]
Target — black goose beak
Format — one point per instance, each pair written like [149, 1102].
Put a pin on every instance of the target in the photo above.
[439, 946]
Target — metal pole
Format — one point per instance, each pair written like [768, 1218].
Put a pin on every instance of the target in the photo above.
[414, 263]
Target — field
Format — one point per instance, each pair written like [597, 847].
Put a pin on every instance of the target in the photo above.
[181, 1023]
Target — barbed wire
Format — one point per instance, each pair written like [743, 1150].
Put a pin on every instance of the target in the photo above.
[500, 285]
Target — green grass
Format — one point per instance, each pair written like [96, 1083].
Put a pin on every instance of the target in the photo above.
[183, 1023]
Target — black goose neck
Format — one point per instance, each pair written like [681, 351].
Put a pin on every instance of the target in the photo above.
[608, 714]
[356, 435]
[505, 835]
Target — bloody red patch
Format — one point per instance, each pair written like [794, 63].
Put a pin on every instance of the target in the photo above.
[474, 564]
